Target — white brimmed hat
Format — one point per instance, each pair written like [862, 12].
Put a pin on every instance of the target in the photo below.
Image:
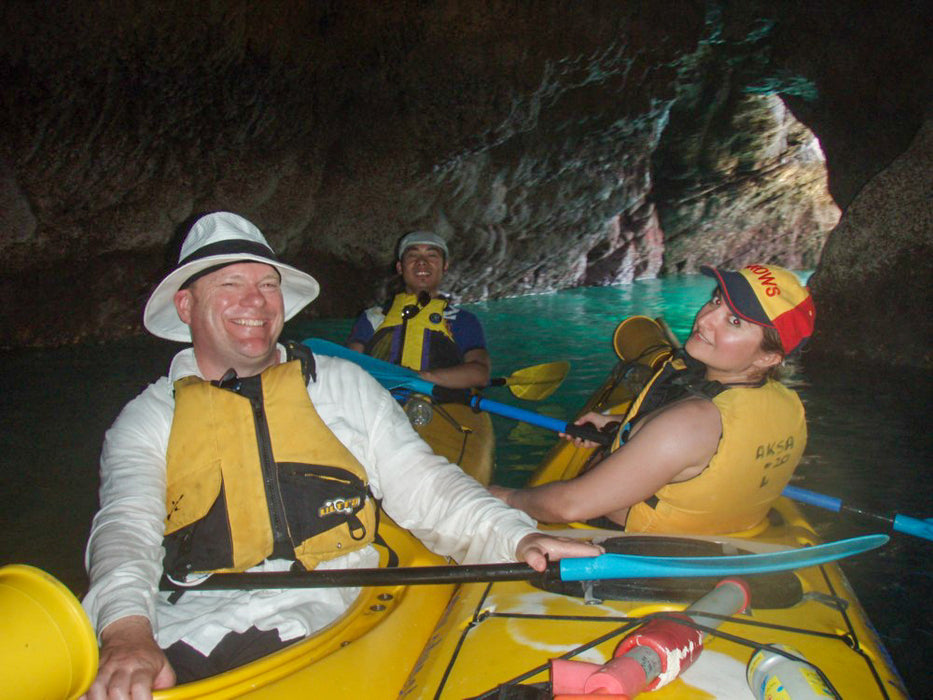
[215, 240]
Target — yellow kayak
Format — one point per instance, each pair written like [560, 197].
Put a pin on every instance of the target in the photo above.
[367, 653]
[504, 634]
[48, 649]
[496, 640]
[460, 434]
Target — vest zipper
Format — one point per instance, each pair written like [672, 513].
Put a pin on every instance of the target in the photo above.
[270, 474]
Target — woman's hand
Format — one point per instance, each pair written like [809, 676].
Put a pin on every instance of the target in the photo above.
[598, 420]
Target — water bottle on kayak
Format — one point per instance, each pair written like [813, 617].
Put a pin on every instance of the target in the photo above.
[772, 676]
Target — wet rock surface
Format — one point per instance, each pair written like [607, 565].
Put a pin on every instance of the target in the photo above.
[553, 144]
[874, 289]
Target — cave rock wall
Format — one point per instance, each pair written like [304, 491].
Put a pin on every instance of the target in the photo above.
[552, 144]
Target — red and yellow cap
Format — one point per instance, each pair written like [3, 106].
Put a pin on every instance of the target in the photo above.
[771, 297]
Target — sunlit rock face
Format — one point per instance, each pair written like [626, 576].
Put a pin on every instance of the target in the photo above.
[552, 144]
[743, 183]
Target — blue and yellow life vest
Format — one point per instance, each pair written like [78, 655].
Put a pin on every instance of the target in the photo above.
[252, 471]
[764, 433]
[416, 334]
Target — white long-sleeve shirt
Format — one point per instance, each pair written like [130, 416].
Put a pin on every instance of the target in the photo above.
[448, 510]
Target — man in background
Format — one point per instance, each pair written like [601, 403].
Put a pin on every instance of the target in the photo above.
[420, 328]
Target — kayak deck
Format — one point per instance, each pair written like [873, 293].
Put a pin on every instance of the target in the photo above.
[495, 640]
[503, 634]
[463, 436]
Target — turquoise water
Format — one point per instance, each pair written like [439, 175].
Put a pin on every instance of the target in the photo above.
[869, 444]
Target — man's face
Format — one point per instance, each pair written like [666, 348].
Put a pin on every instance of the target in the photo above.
[236, 315]
[422, 268]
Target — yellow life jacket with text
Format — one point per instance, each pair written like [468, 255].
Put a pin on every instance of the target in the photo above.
[252, 471]
[764, 433]
[415, 334]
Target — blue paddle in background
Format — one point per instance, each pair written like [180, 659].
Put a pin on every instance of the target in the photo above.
[895, 521]
[396, 377]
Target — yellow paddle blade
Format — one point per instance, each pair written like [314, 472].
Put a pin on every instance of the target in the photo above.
[537, 382]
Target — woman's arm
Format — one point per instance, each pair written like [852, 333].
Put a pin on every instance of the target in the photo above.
[673, 445]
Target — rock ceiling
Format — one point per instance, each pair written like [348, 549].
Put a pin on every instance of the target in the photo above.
[553, 144]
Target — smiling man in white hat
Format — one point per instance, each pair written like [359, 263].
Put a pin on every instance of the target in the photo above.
[208, 469]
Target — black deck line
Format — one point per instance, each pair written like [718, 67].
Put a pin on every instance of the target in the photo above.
[766, 625]
[856, 646]
[477, 618]
[571, 618]
[629, 623]
[566, 655]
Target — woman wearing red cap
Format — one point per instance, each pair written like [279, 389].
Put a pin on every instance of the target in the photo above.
[713, 439]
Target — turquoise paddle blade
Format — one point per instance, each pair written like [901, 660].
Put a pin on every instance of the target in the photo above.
[623, 566]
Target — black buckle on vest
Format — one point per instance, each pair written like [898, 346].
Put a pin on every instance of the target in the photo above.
[412, 310]
[228, 381]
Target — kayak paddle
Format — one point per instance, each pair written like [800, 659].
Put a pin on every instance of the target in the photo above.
[605, 566]
[536, 382]
[533, 383]
[896, 521]
[396, 377]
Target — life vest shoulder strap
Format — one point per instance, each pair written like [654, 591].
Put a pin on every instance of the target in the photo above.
[678, 378]
[299, 351]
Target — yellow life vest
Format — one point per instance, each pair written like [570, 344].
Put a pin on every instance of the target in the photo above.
[255, 470]
[415, 335]
[764, 433]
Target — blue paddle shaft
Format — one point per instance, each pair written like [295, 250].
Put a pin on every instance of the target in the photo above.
[914, 526]
[812, 498]
[897, 522]
[585, 432]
